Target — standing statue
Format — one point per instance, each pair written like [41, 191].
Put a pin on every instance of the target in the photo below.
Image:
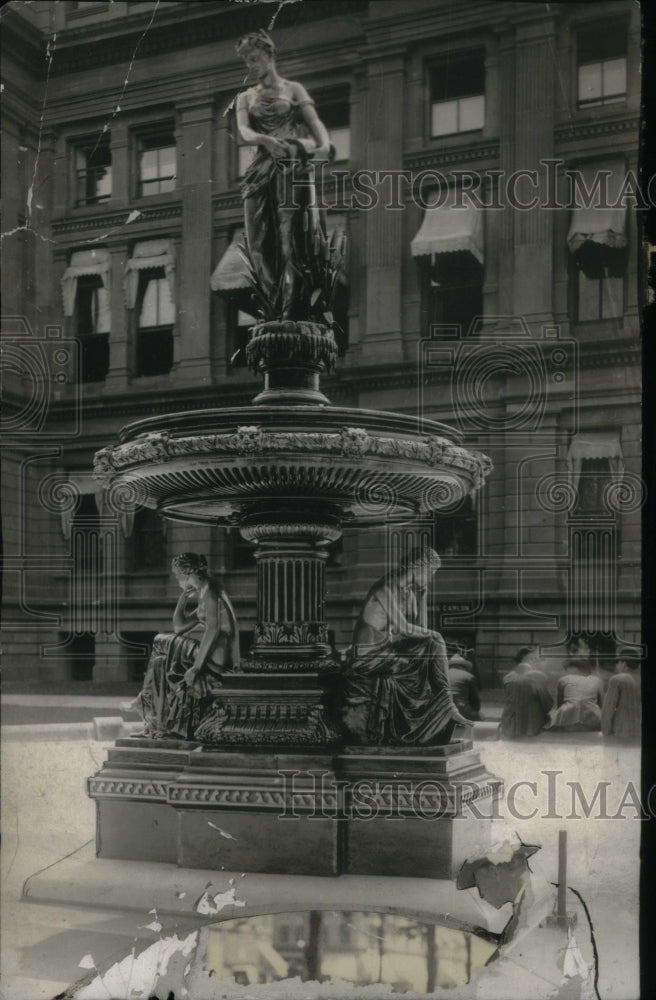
[280, 213]
[397, 685]
[184, 672]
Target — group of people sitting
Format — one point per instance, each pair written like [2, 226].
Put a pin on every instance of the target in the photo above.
[586, 700]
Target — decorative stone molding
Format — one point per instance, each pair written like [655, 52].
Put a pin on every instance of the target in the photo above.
[298, 343]
[350, 443]
[447, 157]
[290, 532]
[260, 665]
[585, 130]
[285, 722]
[100, 787]
[291, 633]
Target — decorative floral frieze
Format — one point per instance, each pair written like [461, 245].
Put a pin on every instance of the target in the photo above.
[291, 633]
[350, 443]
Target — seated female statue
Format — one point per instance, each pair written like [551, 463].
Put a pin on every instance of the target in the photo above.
[184, 672]
[397, 685]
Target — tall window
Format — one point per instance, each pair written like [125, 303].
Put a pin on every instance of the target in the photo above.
[600, 297]
[157, 162]
[82, 651]
[148, 544]
[93, 325]
[156, 315]
[601, 52]
[452, 289]
[594, 479]
[457, 94]
[93, 172]
[137, 659]
[239, 552]
[334, 111]
[456, 532]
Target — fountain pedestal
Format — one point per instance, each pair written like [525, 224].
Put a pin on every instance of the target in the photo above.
[269, 783]
[387, 812]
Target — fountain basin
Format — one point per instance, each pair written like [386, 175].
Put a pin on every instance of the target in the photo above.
[358, 466]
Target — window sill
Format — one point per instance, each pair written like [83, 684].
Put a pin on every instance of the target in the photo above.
[450, 136]
[152, 200]
[150, 381]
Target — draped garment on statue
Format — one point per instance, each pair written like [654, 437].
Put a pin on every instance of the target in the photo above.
[169, 706]
[397, 688]
[275, 197]
[166, 709]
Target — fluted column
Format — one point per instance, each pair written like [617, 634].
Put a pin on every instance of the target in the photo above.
[291, 632]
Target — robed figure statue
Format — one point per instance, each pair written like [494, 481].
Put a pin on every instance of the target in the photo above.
[183, 677]
[279, 118]
[396, 682]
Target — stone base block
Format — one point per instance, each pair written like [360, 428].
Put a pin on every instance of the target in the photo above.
[382, 811]
[258, 843]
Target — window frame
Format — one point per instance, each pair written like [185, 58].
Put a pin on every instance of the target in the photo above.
[137, 566]
[148, 134]
[603, 33]
[94, 342]
[432, 66]
[143, 333]
[468, 512]
[329, 99]
[87, 147]
[429, 284]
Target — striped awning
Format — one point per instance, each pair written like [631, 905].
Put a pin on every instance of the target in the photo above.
[447, 229]
[594, 186]
[231, 273]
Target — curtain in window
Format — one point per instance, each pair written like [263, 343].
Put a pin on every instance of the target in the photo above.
[597, 235]
[146, 255]
[83, 262]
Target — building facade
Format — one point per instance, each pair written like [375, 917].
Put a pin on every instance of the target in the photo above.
[485, 158]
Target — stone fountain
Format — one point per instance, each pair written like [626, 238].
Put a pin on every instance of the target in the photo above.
[271, 781]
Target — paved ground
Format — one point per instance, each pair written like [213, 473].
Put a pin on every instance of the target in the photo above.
[47, 815]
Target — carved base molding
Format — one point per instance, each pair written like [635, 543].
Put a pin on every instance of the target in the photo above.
[260, 709]
[295, 811]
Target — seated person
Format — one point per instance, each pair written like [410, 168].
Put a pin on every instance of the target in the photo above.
[578, 698]
[184, 672]
[622, 708]
[528, 700]
[464, 687]
[396, 680]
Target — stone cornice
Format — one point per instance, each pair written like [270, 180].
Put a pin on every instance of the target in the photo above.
[593, 129]
[186, 26]
[115, 220]
[22, 43]
[482, 150]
